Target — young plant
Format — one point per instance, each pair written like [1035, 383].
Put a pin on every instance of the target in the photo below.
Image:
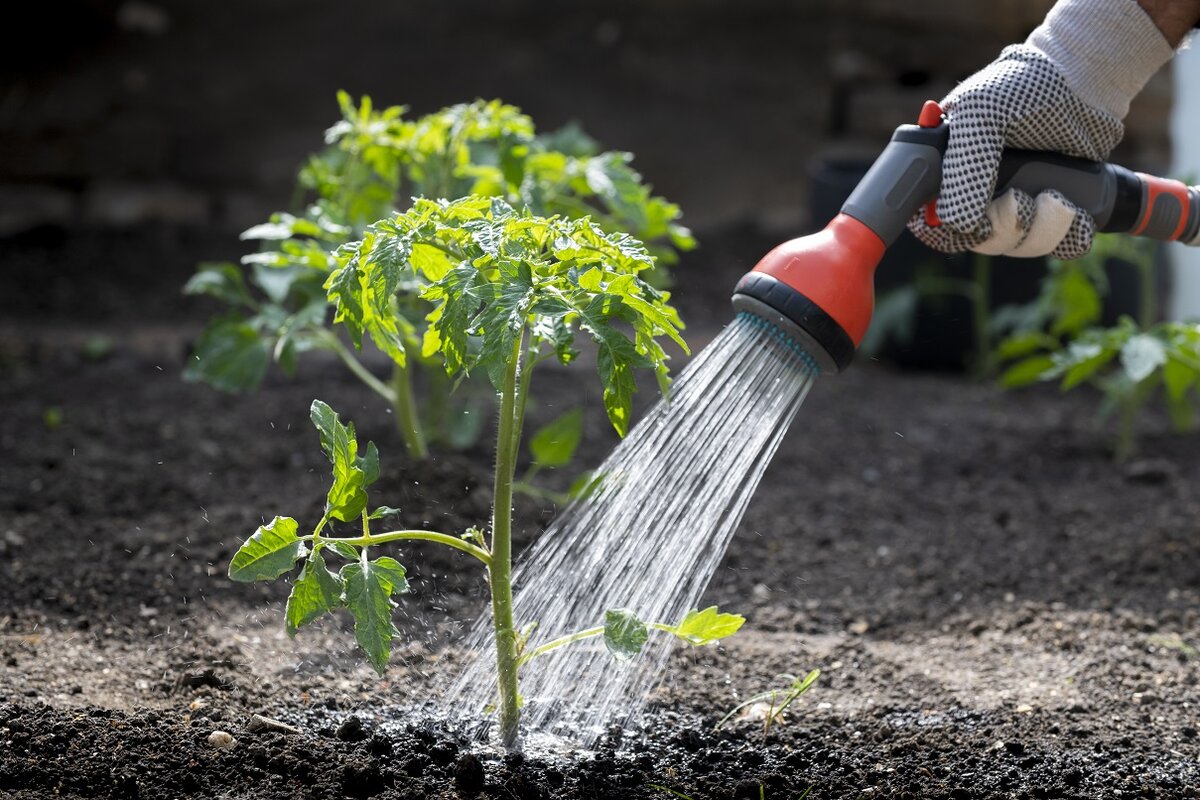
[776, 701]
[896, 314]
[1129, 362]
[509, 290]
[374, 162]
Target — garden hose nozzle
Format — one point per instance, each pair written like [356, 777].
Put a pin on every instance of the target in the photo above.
[819, 289]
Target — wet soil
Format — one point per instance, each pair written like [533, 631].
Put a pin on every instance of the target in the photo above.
[997, 609]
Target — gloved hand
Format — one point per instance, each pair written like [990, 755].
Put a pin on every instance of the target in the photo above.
[1065, 90]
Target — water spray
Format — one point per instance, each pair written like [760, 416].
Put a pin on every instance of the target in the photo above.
[819, 289]
[677, 487]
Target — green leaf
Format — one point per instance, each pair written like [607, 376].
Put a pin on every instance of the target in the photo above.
[1141, 355]
[707, 626]
[624, 633]
[1179, 377]
[554, 444]
[505, 273]
[315, 592]
[1088, 360]
[352, 473]
[394, 572]
[346, 551]
[585, 484]
[383, 511]
[1075, 301]
[1025, 372]
[1023, 344]
[615, 360]
[220, 280]
[368, 595]
[270, 551]
[230, 355]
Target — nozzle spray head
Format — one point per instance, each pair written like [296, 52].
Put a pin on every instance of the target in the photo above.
[819, 289]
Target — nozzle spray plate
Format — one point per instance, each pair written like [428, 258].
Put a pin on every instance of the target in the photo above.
[747, 304]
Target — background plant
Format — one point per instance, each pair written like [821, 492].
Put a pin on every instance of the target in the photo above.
[774, 701]
[509, 290]
[1133, 362]
[895, 316]
[276, 307]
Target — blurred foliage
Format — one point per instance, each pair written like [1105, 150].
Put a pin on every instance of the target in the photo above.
[1058, 338]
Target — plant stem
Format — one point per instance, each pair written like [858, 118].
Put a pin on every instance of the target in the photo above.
[428, 536]
[531, 357]
[1126, 444]
[1148, 301]
[561, 641]
[500, 570]
[332, 342]
[405, 409]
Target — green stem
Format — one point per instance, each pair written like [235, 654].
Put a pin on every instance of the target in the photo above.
[1126, 434]
[571, 638]
[332, 342]
[500, 570]
[405, 407]
[561, 641]
[531, 358]
[1148, 301]
[528, 489]
[396, 536]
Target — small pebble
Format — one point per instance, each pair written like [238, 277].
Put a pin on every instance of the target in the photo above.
[221, 740]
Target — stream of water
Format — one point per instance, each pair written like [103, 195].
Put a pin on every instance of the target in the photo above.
[650, 537]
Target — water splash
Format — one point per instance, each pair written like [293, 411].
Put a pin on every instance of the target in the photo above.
[650, 536]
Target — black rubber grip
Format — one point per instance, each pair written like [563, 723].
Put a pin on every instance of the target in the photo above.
[907, 175]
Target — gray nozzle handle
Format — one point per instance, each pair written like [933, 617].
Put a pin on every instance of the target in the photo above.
[908, 174]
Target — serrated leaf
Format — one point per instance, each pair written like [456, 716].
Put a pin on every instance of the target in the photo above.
[393, 572]
[368, 595]
[271, 550]
[344, 550]
[707, 626]
[352, 473]
[315, 592]
[1141, 355]
[555, 443]
[230, 355]
[624, 633]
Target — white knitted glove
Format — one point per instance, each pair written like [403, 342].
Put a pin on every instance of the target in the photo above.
[1065, 90]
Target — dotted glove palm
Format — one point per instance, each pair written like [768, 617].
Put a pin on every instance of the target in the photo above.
[1065, 90]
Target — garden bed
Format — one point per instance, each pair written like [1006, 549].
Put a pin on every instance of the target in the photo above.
[996, 608]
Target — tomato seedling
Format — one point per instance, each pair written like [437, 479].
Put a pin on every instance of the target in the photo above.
[509, 290]
[374, 162]
[1129, 362]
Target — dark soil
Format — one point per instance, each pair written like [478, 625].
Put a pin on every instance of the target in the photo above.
[997, 609]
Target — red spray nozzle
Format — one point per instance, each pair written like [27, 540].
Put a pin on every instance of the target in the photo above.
[820, 289]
